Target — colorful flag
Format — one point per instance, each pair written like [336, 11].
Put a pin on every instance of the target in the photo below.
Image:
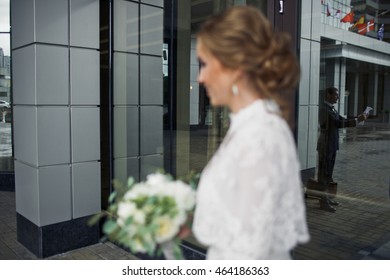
[361, 28]
[360, 21]
[338, 13]
[329, 9]
[370, 25]
[366, 27]
[380, 32]
[348, 17]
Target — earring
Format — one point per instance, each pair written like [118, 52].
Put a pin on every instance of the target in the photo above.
[235, 90]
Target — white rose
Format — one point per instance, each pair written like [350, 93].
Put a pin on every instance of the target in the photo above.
[130, 230]
[167, 229]
[156, 179]
[136, 191]
[184, 195]
[180, 217]
[139, 217]
[125, 210]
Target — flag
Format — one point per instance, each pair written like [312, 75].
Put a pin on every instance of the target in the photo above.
[329, 9]
[338, 13]
[370, 25]
[366, 27]
[362, 28]
[360, 21]
[348, 17]
[380, 32]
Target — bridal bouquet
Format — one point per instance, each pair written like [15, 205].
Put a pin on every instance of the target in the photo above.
[147, 216]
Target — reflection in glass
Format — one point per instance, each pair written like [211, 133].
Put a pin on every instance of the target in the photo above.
[126, 26]
[197, 128]
[6, 161]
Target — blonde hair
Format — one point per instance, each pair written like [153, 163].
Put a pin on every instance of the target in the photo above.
[242, 38]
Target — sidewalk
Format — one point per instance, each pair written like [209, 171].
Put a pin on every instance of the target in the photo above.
[360, 229]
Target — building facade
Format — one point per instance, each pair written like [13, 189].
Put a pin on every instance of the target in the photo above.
[104, 90]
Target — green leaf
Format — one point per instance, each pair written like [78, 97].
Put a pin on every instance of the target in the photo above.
[177, 251]
[95, 218]
[112, 197]
[109, 227]
[130, 182]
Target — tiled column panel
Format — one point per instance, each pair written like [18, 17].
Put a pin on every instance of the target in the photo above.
[56, 72]
[309, 85]
[138, 88]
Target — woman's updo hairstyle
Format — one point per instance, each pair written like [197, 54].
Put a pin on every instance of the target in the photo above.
[242, 38]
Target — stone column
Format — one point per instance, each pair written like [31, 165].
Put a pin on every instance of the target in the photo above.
[55, 51]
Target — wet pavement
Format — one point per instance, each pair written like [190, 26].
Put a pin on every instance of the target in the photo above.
[360, 228]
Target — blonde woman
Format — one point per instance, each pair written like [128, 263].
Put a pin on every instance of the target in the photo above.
[250, 203]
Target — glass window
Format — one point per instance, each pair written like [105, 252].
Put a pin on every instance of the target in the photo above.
[199, 128]
[6, 160]
[346, 49]
[193, 129]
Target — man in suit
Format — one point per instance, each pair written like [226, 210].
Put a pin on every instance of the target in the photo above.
[328, 143]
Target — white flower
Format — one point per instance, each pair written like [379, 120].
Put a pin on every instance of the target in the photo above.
[180, 217]
[137, 190]
[184, 195]
[156, 179]
[130, 230]
[167, 229]
[152, 212]
[139, 217]
[125, 210]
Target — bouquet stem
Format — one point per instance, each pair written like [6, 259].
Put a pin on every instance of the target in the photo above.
[172, 251]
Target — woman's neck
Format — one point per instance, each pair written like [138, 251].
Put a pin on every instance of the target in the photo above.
[243, 99]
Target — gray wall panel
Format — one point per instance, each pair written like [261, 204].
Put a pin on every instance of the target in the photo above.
[151, 80]
[85, 134]
[151, 30]
[25, 134]
[126, 131]
[52, 74]
[54, 194]
[51, 19]
[85, 79]
[23, 75]
[22, 22]
[126, 74]
[86, 189]
[84, 22]
[53, 135]
[151, 130]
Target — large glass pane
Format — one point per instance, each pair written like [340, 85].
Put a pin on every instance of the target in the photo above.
[200, 128]
[6, 161]
[347, 199]
[193, 129]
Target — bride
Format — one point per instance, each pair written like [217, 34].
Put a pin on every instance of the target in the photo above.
[250, 202]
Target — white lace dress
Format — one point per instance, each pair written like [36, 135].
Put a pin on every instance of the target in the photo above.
[250, 200]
